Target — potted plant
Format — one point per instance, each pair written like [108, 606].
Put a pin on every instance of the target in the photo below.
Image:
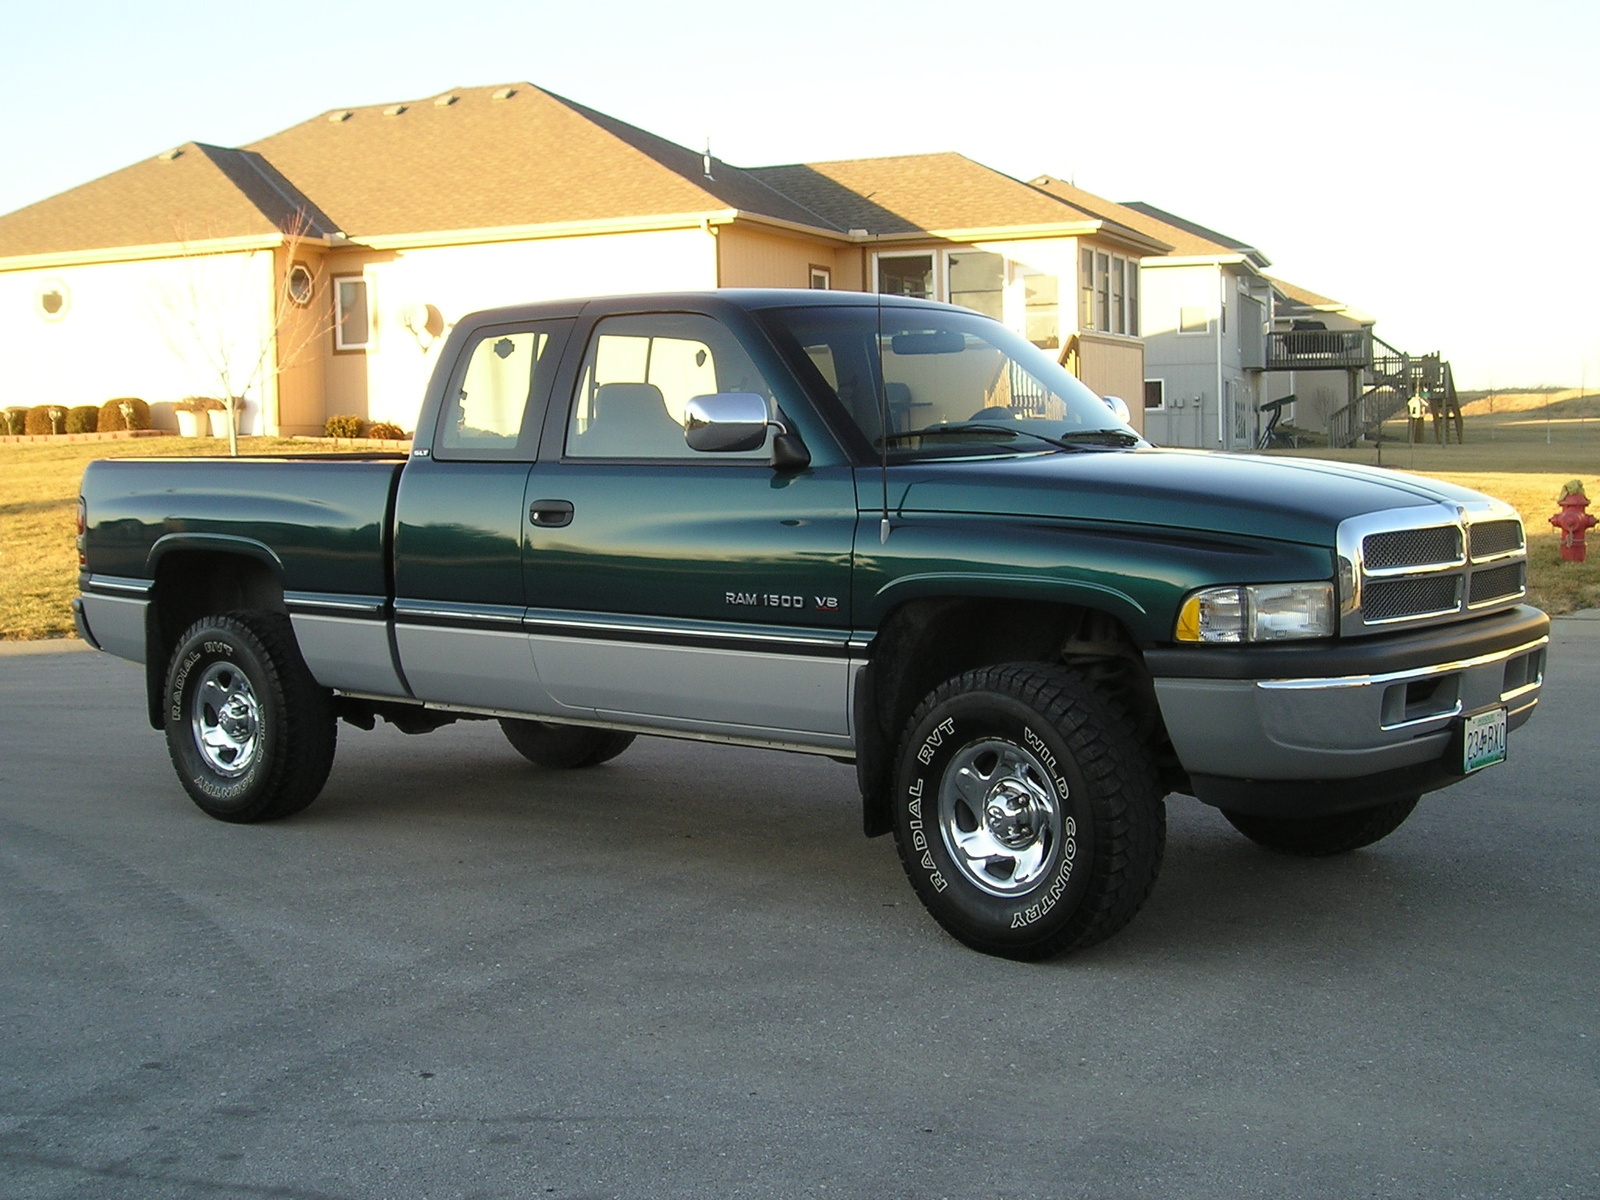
[218, 415]
[191, 412]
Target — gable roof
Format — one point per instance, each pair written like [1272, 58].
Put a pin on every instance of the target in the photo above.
[192, 193]
[932, 193]
[499, 157]
[1299, 299]
[1186, 239]
[1208, 240]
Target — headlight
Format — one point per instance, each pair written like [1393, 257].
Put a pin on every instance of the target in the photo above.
[1258, 612]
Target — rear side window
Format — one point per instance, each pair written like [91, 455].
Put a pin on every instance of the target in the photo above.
[496, 400]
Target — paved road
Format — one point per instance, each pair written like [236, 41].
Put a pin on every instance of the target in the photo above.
[686, 973]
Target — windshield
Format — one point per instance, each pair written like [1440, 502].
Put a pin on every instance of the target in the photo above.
[952, 382]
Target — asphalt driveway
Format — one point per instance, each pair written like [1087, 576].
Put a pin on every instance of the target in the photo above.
[685, 973]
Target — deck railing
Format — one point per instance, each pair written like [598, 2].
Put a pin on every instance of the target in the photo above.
[1319, 349]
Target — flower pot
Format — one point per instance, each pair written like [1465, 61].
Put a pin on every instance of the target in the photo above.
[219, 422]
[192, 424]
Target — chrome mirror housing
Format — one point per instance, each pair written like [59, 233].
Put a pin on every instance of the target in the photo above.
[1119, 408]
[726, 422]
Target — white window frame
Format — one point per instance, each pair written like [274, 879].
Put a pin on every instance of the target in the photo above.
[340, 344]
[1121, 304]
[821, 278]
[1161, 388]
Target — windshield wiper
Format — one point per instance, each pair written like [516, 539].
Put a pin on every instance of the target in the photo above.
[1076, 440]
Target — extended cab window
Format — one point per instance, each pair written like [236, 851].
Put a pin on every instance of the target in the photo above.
[640, 373]
[506, 373]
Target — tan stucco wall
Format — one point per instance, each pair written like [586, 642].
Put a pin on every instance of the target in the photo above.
[756, 258]
[152, 329]
[386, 382]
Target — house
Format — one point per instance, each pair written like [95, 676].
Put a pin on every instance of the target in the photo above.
[1205, 311]
[317, 271]
[1326, 348]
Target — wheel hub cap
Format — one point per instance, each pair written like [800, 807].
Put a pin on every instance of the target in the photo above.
[226, 720]
[999, 816]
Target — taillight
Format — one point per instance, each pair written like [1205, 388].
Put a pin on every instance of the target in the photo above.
[83, 528]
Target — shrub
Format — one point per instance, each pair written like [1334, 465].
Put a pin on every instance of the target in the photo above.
[83, 418]
[344, 427]
[199, 404]
[386, 430]
[14, 421]
[45, 419]
[112, 415]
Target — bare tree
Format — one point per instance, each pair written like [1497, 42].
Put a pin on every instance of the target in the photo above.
[198, 318]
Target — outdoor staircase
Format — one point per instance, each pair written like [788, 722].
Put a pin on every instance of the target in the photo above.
[1392, 379]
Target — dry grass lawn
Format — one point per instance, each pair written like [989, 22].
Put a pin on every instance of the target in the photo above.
[39, 520]
[1519, 456]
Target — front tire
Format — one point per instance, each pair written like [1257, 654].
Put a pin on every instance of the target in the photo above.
[564, 747]
[1028, 817]
[1318, 837]
[250, 732]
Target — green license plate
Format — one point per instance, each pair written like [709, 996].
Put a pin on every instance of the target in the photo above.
[1483, 740]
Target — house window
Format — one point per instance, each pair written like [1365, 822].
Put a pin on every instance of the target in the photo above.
[977, 281]
[906, 275]
[821, 278]
[1155, 393]
[300, 284]
[1108, 290]
[352, 318]
[1041, 301]
[1194, 318]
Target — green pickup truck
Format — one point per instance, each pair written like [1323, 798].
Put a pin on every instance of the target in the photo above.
[882, 530]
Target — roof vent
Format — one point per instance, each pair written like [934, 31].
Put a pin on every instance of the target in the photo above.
[444, 101]
[169, 155]
[343, 115]
[394, 110]
[502, 93]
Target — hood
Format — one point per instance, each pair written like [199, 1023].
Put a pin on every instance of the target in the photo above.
[1289, 499]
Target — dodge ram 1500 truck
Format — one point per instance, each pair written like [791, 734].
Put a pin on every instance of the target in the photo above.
[882, 530]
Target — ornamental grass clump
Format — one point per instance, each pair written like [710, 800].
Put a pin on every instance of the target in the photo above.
[83, 418]
[45, 419]
[125, 412]
[344, 426]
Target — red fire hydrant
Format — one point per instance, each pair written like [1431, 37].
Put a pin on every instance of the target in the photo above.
[1573, 521]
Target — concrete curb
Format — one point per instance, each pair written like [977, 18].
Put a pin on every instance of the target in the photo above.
[64, 645]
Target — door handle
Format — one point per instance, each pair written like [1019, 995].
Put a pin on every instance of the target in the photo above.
[550, 514]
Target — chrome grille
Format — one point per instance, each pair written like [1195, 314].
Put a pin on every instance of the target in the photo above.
[1428, 564]
[1394, 599]
[1497, 583]
[1412, 548]
[1494, 538]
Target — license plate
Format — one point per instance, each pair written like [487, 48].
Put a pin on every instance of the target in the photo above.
[1483, 740]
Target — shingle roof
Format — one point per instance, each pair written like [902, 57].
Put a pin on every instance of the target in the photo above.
[469, 160]
[1206, 241]
[193, 193]
[920, 193]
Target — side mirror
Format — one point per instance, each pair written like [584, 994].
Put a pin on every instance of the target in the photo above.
[1119, 408]
[726, 422]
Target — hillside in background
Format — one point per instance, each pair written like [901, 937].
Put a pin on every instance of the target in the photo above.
[1554, 402]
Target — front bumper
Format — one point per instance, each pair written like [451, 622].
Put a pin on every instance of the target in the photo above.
[1303, 731]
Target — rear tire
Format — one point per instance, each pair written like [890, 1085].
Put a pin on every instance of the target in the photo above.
[1318, 837]
[564, 747]
[251, 734]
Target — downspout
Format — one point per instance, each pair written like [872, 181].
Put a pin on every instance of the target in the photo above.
[1221, 311]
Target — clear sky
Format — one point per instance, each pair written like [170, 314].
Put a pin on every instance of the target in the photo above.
[1435, 164]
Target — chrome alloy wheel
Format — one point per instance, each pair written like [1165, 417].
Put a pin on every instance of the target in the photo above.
[226, 720]
[1000, 817]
